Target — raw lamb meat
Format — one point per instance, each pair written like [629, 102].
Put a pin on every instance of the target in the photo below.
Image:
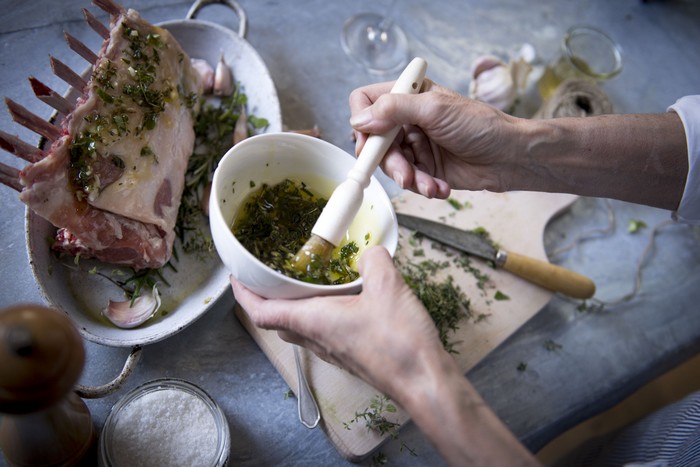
[113, 172]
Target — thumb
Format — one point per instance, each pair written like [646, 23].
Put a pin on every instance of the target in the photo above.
[376, 267]
[376, 257]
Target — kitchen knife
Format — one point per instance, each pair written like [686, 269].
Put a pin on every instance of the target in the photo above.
[542, 273]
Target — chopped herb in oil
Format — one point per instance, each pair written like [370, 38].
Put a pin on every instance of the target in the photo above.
[276, 221]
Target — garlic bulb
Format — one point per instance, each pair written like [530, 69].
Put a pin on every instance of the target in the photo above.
[128, 315]
[498, 83]
[223, 79]
[492, 82]
[206, 72]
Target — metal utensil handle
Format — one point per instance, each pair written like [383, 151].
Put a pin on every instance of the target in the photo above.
[95, 392]
[309, 414]
[232, 4]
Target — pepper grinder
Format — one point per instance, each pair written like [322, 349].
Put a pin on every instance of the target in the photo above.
[44, 422]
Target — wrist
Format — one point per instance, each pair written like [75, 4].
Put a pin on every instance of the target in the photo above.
[524, 166]
[454, 417]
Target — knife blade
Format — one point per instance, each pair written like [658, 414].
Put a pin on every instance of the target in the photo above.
[542, 273]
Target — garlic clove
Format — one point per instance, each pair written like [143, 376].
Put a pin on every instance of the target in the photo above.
[492, 82]
[223, 79]
[240, 130]
[206, 72]
[128, 315]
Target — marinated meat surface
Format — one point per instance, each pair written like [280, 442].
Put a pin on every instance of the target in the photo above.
[113, 179]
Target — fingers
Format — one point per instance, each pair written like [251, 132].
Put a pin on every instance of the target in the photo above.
[412, 174]
[375, 110]
[388, 111]
[373, 258]
[365, 96]
[412, 162]
[266, 314]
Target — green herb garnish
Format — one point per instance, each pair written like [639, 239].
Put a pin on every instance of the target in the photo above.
[500, 296]
[213, 137]
[375, 420]
[635, 225]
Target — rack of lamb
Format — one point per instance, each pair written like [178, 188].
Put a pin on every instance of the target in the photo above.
[111, 171]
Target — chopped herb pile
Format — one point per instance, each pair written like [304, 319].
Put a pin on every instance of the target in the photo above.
[445, 301]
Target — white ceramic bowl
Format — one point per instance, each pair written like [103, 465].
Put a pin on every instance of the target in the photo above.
[270, 158]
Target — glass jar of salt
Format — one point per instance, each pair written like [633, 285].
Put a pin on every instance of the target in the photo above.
[165, 422]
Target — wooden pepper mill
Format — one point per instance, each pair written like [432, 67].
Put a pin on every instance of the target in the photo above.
[43, 421]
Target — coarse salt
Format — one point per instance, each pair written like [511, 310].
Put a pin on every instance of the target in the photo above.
[166, 427]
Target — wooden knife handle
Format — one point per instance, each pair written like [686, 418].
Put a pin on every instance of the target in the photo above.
[549, 276]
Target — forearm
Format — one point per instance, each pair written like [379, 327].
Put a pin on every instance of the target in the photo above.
[636, 158]
[449, 411]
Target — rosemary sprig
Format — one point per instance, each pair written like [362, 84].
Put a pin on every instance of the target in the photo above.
[213, 137]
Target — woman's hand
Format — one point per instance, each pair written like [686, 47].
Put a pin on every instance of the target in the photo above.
[385, 336]
[448, 141]
[375, 335]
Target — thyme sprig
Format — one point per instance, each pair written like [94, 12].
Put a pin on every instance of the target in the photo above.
[375, 420]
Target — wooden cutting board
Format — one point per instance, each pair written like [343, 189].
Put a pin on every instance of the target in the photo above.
[516, 221]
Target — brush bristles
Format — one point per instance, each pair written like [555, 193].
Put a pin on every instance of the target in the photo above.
[314, 250]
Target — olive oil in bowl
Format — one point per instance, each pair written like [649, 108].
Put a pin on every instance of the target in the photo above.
[275, 221]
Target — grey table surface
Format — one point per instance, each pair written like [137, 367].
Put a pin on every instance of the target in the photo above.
[603, 355]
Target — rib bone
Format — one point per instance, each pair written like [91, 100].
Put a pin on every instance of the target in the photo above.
[62, 70]
[95, 24]
[80, 48]
[19, 148]
[109, 6]
[50, 97]
[10, 176]
[31, 121]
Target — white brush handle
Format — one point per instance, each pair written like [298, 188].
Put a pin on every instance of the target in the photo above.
[347, 198]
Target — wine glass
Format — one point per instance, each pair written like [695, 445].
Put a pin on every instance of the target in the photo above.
[375, 41]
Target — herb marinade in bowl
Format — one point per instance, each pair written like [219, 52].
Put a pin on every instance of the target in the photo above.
[307, 168]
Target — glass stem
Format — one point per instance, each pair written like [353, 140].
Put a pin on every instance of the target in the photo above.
[388, 18]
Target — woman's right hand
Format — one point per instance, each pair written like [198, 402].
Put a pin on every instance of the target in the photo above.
[448, 141]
